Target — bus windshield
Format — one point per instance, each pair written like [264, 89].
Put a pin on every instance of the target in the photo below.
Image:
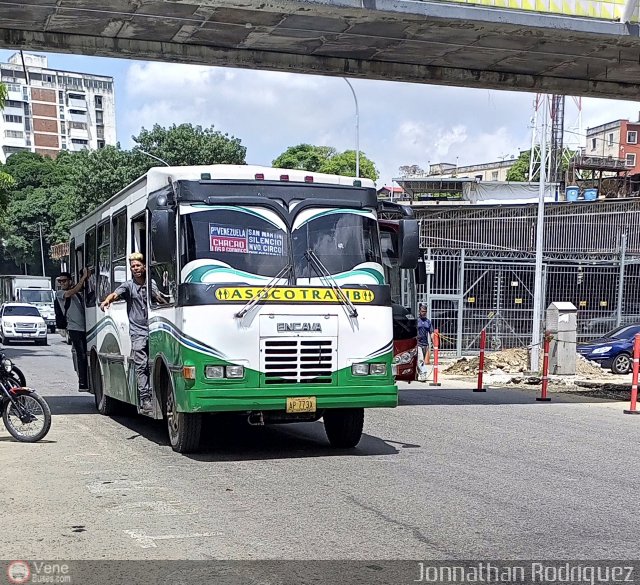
[340, 239]
[36, 296]
[223, 243]
[236, 239]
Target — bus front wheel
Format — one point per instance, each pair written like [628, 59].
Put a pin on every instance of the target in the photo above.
[343, 426]
[184, 428]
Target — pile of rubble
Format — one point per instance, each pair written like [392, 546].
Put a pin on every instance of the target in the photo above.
[509, 361]
[516, 361]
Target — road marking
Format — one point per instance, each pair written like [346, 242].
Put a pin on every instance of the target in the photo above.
[146, 541]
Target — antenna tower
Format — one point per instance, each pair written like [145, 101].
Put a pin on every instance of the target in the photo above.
[554, 138]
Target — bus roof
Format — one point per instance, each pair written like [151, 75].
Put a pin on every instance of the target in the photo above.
[158, 177]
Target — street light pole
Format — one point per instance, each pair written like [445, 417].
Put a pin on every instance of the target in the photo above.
[355, 99]
[537, 290]
[164, 162]
[41, 248]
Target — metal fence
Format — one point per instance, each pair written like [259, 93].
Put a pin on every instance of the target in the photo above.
[574, 229]
[484, 269]
[468, 292]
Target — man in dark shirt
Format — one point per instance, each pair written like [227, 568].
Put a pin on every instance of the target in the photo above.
[134, 292]
[71, 304]
[425, 330]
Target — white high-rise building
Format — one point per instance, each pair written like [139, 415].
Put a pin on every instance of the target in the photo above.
[48, 111]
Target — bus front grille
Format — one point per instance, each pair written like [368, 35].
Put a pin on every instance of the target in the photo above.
[298, 361]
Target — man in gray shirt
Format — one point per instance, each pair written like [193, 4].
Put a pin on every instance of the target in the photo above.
[70, 302]
[134, 292]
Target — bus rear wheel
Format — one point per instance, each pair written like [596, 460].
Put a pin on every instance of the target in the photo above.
[184, 428]
[343, 426]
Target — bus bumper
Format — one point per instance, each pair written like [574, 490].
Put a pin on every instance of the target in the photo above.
[250, 399]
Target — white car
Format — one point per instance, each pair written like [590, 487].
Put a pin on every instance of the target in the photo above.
[20, 321]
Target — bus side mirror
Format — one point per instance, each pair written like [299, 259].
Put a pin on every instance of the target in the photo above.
[421, 273]
[409, 243]
[163, 235]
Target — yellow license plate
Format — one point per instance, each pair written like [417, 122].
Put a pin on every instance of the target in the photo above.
[301, 404]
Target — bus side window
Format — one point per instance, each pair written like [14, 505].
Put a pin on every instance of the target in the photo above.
[104, 260]
[78, 262]
[164, 276]
[90, 257]
[72, 259]
[119, 252]
[139, 235]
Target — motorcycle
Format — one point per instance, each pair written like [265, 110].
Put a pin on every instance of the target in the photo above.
[25, 414]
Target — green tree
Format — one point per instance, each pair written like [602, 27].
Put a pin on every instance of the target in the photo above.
[520, 170]
[6, 183]
[29, 169]
[325, 159]
[345, 164]
[29, 202]
[24, 215]
[56, 193]
[187, 144]
[304, 157]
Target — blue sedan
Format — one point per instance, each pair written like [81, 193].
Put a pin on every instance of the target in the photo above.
[613, 350]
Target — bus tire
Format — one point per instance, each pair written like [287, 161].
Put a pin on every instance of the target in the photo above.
[104, 404]
[184, 428]
[343, 426]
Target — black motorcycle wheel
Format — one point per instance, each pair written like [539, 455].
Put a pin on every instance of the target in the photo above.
[29, 432]
[18, 376]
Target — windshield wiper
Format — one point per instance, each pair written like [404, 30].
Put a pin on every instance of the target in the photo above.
[264, 291]
[326, 276]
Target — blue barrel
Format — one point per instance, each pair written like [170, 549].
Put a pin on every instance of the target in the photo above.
[572, 193]
[590, 194]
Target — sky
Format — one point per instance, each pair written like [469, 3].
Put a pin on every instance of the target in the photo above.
[399, 123]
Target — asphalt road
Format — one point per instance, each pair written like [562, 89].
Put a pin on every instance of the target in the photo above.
[450, 474]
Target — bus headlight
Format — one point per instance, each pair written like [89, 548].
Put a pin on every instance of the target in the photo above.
[378, 369]
[360, 369]
[214, 372]
[235, 371]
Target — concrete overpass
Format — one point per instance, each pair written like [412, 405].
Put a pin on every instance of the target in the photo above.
[415, 41]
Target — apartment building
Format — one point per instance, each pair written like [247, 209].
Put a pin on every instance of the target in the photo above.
[48, 110]
[619, 139]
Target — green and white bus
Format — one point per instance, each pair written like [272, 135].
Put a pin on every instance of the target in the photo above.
[275, 304]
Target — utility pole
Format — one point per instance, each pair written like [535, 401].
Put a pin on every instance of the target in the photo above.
[41, 248]
[355, 99]
[537, 291]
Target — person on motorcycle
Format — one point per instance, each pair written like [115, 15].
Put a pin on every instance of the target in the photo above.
[71, 303]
